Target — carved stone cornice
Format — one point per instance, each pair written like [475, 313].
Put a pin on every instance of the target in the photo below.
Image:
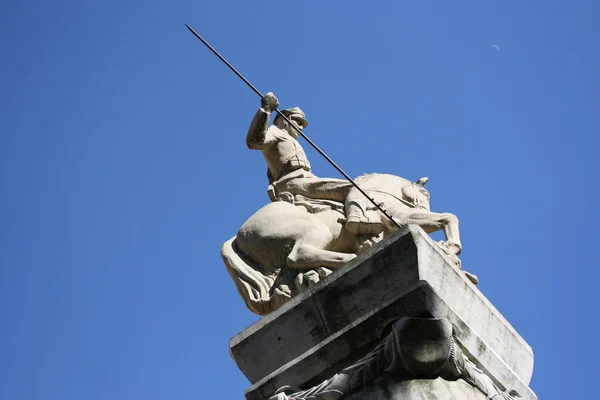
[415, 348]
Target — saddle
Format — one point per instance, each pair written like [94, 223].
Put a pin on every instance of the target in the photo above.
[313, 206]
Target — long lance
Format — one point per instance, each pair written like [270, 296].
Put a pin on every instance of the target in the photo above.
[313, 144]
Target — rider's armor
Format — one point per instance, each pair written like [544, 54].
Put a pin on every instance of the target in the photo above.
[289, 171]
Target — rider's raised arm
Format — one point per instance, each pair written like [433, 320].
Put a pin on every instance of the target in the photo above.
[258, 136]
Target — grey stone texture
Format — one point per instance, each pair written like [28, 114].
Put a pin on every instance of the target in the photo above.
[418, 389]
[344, 316]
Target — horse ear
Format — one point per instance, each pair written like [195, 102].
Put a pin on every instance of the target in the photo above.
[422, 181]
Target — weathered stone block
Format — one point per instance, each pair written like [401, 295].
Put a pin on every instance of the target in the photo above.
[343, 317]
[418, 389]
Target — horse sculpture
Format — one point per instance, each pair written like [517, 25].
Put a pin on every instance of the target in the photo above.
[290, 244]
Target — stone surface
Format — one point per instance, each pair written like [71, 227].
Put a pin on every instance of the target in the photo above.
[415, 348]
[342, 317]
[418, 389]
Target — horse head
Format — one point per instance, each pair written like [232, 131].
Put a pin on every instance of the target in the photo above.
[416, 195]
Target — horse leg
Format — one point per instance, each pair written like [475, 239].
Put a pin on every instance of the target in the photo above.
[308, 252]
[432, 222]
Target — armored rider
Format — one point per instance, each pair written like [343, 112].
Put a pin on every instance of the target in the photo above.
[288, 168]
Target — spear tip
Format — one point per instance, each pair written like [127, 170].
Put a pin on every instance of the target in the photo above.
[191, 29]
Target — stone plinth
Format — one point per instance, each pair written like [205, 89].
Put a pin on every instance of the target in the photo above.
[418, 389]
[343, 318]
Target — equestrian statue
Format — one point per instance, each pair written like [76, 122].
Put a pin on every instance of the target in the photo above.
[315, 225]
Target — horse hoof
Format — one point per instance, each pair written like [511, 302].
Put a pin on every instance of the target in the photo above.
[352, 224]
[323, 272]
[304, 280]
[452, 249]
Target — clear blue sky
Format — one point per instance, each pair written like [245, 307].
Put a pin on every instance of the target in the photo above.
[123, 168]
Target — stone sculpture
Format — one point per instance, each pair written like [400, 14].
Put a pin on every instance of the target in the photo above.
[446, 340]
[316, 224]
[288, 168]
[416, 348]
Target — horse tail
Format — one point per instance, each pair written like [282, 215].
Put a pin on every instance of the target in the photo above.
[253, 286]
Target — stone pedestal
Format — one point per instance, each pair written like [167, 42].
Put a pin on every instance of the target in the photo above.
[418, 389]
[398, 322]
